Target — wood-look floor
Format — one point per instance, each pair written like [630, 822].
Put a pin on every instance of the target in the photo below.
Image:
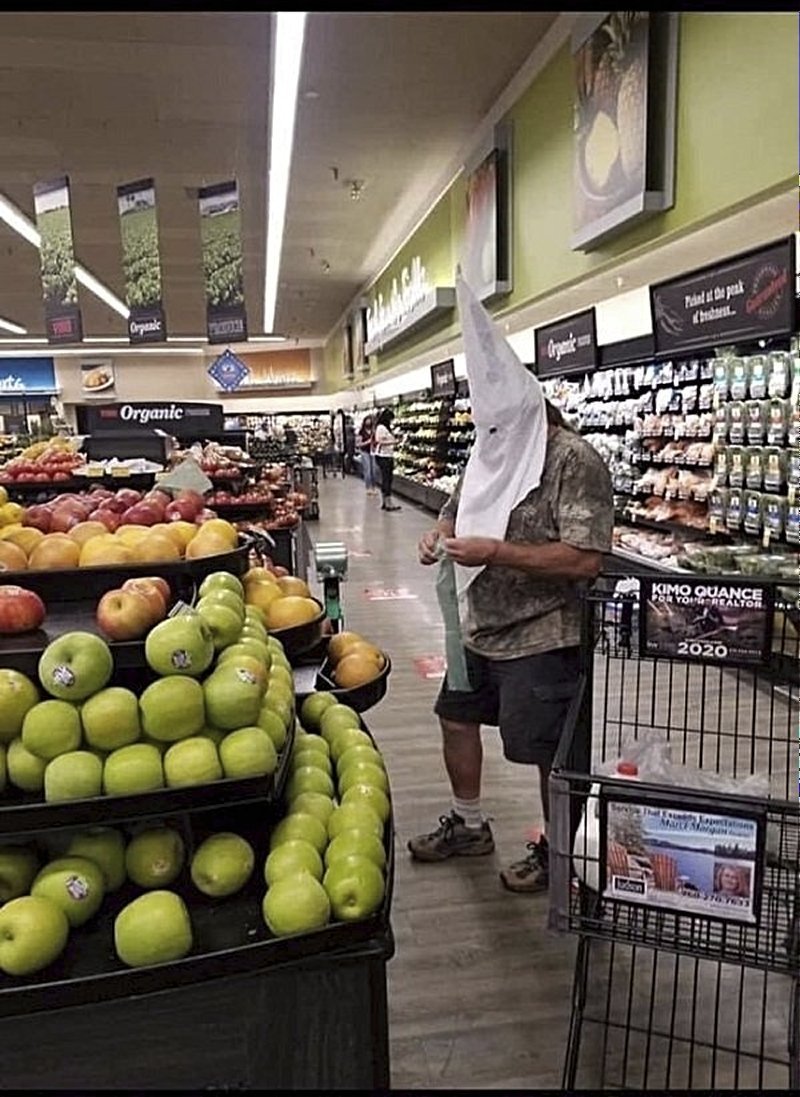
[479, 988]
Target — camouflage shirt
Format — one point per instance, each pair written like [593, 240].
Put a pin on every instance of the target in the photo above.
[512, 613]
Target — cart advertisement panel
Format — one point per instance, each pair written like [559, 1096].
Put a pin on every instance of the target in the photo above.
[221, 237]
[706, 620]
[692, 862]
[57, 255]
[141, 262]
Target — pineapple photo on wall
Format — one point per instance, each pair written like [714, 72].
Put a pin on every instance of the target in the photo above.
[610, 149]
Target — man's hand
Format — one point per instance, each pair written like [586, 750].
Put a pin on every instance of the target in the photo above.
[471, 552]
[428, 546]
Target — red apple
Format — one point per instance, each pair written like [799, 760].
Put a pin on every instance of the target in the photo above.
[183, 510]
[20, 610]
[37, 517]
[195, 496]
[140, 514]
[149, 589]
[129, 497]
[124, 615]
[204, 516]
[109, 518]
[113, 504]
[62, 520]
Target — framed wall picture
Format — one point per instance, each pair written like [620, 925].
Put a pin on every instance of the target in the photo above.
[486, 253]
[358, 326]
[625, 76]
[347, 350]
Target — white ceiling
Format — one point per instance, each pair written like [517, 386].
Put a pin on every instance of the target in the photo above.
[387, 98]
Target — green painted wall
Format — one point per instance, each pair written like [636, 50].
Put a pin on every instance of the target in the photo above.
[737, 131]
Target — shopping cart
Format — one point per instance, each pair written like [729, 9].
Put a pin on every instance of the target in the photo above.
[668, 994]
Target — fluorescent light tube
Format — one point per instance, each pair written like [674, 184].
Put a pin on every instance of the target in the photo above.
[15, 329]
[289, 29]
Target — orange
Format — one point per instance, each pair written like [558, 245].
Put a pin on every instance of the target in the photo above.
[84, 531]
[156, 548]
[355, 670]
[181, 532]
[261, 594]
[104, 551]
[210, 544]
[12, 557]
[25, 537]
[55, 551]
[131, 535]
[291, 611]
[367, 650]
[290, 584]
[222, 528]
[341, 641]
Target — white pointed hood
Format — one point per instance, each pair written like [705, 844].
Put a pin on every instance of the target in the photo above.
[508, 409]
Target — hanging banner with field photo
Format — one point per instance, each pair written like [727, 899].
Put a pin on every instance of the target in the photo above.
[221, 238]
[57, 256]
[689, 862]
[706, 621]
[141, 262]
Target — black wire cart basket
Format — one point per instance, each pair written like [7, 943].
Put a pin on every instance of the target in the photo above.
[675, 837]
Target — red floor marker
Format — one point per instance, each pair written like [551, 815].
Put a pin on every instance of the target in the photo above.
[388, 594]
[430, 666]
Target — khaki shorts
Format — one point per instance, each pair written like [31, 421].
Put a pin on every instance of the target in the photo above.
[527, 699]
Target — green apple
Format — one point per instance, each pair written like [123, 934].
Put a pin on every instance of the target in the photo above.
[224, 623]
[223, 597]
[3, 767]
[180, 645]
[246, 651]
[363, 843]
[344, 738]
[106, 847]
[301, 758]
[76, 775]
[253, 613]
[222, 580]
[51, 728]
[280, 704]
[222, 865]
[18, 868]
[269, 721]
[300, 825]
[305, 741]
[281, 661]
[153, 929]
[313, 803]
[369, 794]
[255, 630]
[309, 779]
[17, 695]
[33, 932]
[279, 675]
[25, 770]
[233, 697]
[362, 773]
[155, 857]
[75, 884]
[296, 904]
[133, 769]
[248, 752]
[355, 887]
[276, 645]
[249, 645]
[172, 708]
[111, 718]
[354, 816]
[192, 761]
[216, 735]
[292, 857]
[359, 753]
[338, 716]
[75, 665]
[313, 707]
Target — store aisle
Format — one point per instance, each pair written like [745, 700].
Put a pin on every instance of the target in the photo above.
[479, 989]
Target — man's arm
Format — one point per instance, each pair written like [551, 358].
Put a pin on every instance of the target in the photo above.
[445, 527]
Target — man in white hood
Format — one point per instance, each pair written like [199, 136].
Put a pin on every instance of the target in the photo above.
[526, 527]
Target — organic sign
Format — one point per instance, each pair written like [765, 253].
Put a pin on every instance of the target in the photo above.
[747, 298]
[141, 263]
[692, 862]
[220, 233]
[171, 417]
[706, 620]
[568, 346]
[57, 257]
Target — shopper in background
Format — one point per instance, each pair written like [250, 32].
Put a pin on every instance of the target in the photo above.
[526, 527]
[385, 441]
[348, 466]
[366, 433]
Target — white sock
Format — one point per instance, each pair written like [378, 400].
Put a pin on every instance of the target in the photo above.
[469, 810]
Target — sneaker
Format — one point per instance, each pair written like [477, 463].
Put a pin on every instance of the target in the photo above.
[532, 873]
[391, 506]
[452, 838]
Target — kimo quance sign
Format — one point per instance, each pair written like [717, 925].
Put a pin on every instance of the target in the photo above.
[172, 417]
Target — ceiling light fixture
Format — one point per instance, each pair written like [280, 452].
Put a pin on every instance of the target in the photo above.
[15, 329]
[356, 187]
[16, 220]
[289, 32]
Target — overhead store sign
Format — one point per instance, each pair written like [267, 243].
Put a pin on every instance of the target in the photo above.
[51, 203]
[746, 298]
[411, 305]
[141, 262]
[568, 346]
[221, 237]
[27, 377]
[171, 417]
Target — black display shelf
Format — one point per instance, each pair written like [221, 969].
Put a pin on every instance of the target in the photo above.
[300, 639]
[240, 512]
[360, 698]
[25, 813]
[140, 481]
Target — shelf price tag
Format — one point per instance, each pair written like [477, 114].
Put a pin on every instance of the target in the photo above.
[119, 472]
[792, 494]
[765, 539]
